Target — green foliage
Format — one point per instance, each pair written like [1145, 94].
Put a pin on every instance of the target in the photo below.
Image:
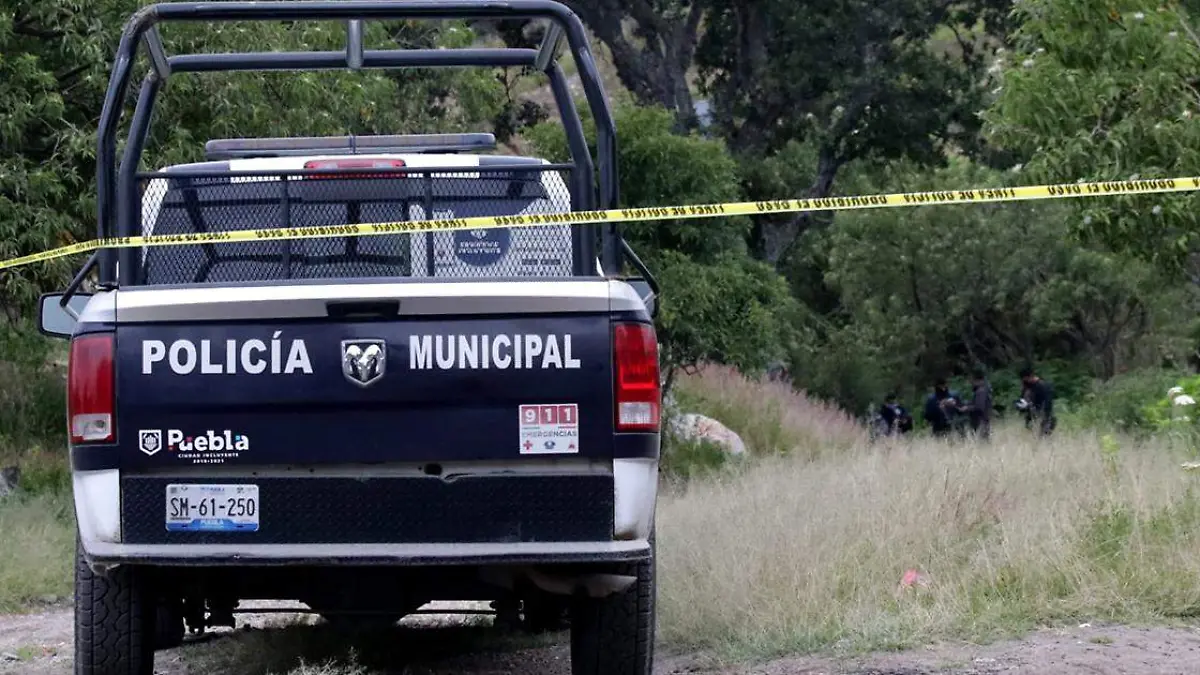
[917, 293]
[848, 365]
[717, 304]
[1176, 411]
[1121, 402]
[659, 168]
[55, 70]
[316, 103]
[852, 79]
[733, 311]
[1097, 90]
[876, 94]
[684, 459]
[32, 400]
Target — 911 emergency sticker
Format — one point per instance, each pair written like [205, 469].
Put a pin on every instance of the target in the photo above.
[550, 429]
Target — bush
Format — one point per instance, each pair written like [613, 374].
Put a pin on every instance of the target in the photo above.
[33, 391]
[684, 459]
[32, 408]
[1176, 412]
[1126, 402]
[717, 304]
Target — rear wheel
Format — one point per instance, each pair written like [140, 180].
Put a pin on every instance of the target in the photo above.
[114, 621]
[615, 635]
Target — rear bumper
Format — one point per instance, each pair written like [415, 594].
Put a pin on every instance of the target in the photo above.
[473, 508]
[498, 516]
[399, 555]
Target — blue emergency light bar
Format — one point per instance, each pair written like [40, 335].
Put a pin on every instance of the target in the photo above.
[242, 148]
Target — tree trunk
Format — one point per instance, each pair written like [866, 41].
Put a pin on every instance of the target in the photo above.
[775, 236]
[653, 66]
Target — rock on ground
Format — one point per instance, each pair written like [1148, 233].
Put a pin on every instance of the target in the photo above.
[696, 427]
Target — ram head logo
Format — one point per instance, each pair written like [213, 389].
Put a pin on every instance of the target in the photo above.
[364, 361]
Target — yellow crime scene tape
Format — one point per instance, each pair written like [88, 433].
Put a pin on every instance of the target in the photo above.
[972, 196]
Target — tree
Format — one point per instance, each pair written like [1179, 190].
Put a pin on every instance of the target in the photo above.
[660, 168]
[733, 310]
[855, 79]
[652, 43]
[55, 69]
[935, 290]
[717, 304]
[1099, 90]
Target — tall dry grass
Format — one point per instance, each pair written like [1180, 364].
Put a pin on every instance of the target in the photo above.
[804, 547]
[795, 555]
[769, 416]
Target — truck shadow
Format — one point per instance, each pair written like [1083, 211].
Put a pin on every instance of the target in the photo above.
[319, 649]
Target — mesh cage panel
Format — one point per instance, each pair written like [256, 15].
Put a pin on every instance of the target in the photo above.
[179, 203]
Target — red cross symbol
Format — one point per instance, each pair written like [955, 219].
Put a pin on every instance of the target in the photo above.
[528, 445]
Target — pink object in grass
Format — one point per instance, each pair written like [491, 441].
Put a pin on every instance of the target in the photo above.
[913, 578]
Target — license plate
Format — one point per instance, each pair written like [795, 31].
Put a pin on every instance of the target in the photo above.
[193, 507]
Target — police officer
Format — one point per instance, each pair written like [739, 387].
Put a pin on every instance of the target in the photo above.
[941, 408]
[895, 419]
[1040, 397]
[981, 405]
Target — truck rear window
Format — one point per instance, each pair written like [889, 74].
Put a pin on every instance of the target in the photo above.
[183, 203]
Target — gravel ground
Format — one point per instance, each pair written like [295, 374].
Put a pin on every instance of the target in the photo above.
[40, 644]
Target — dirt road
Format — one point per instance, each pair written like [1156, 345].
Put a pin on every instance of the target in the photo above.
[40, 644]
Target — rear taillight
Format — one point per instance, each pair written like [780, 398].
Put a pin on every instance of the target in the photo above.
[90, 389]
[635, 358]
[356, 163]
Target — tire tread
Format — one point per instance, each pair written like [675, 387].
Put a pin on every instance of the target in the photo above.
[113, 622]
[615, 635]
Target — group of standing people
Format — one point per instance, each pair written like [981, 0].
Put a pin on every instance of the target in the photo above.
[946, 412]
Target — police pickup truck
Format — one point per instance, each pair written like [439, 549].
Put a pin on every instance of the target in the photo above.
[362, 424]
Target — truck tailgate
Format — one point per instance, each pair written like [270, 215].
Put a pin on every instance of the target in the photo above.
[337, 391]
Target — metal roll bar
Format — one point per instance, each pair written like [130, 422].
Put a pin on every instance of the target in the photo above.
[117, 195]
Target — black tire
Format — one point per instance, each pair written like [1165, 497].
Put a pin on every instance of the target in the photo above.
[615, 635]
[114, 621]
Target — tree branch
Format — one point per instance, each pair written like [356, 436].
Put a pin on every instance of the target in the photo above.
[655, 74]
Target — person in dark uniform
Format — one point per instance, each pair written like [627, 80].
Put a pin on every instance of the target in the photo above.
[941, 407]
[1040, 396]
[980, 408]
[896, 420]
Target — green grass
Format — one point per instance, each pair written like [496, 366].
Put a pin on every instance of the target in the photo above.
[683, 460]
[37, 557]
[36, 523]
